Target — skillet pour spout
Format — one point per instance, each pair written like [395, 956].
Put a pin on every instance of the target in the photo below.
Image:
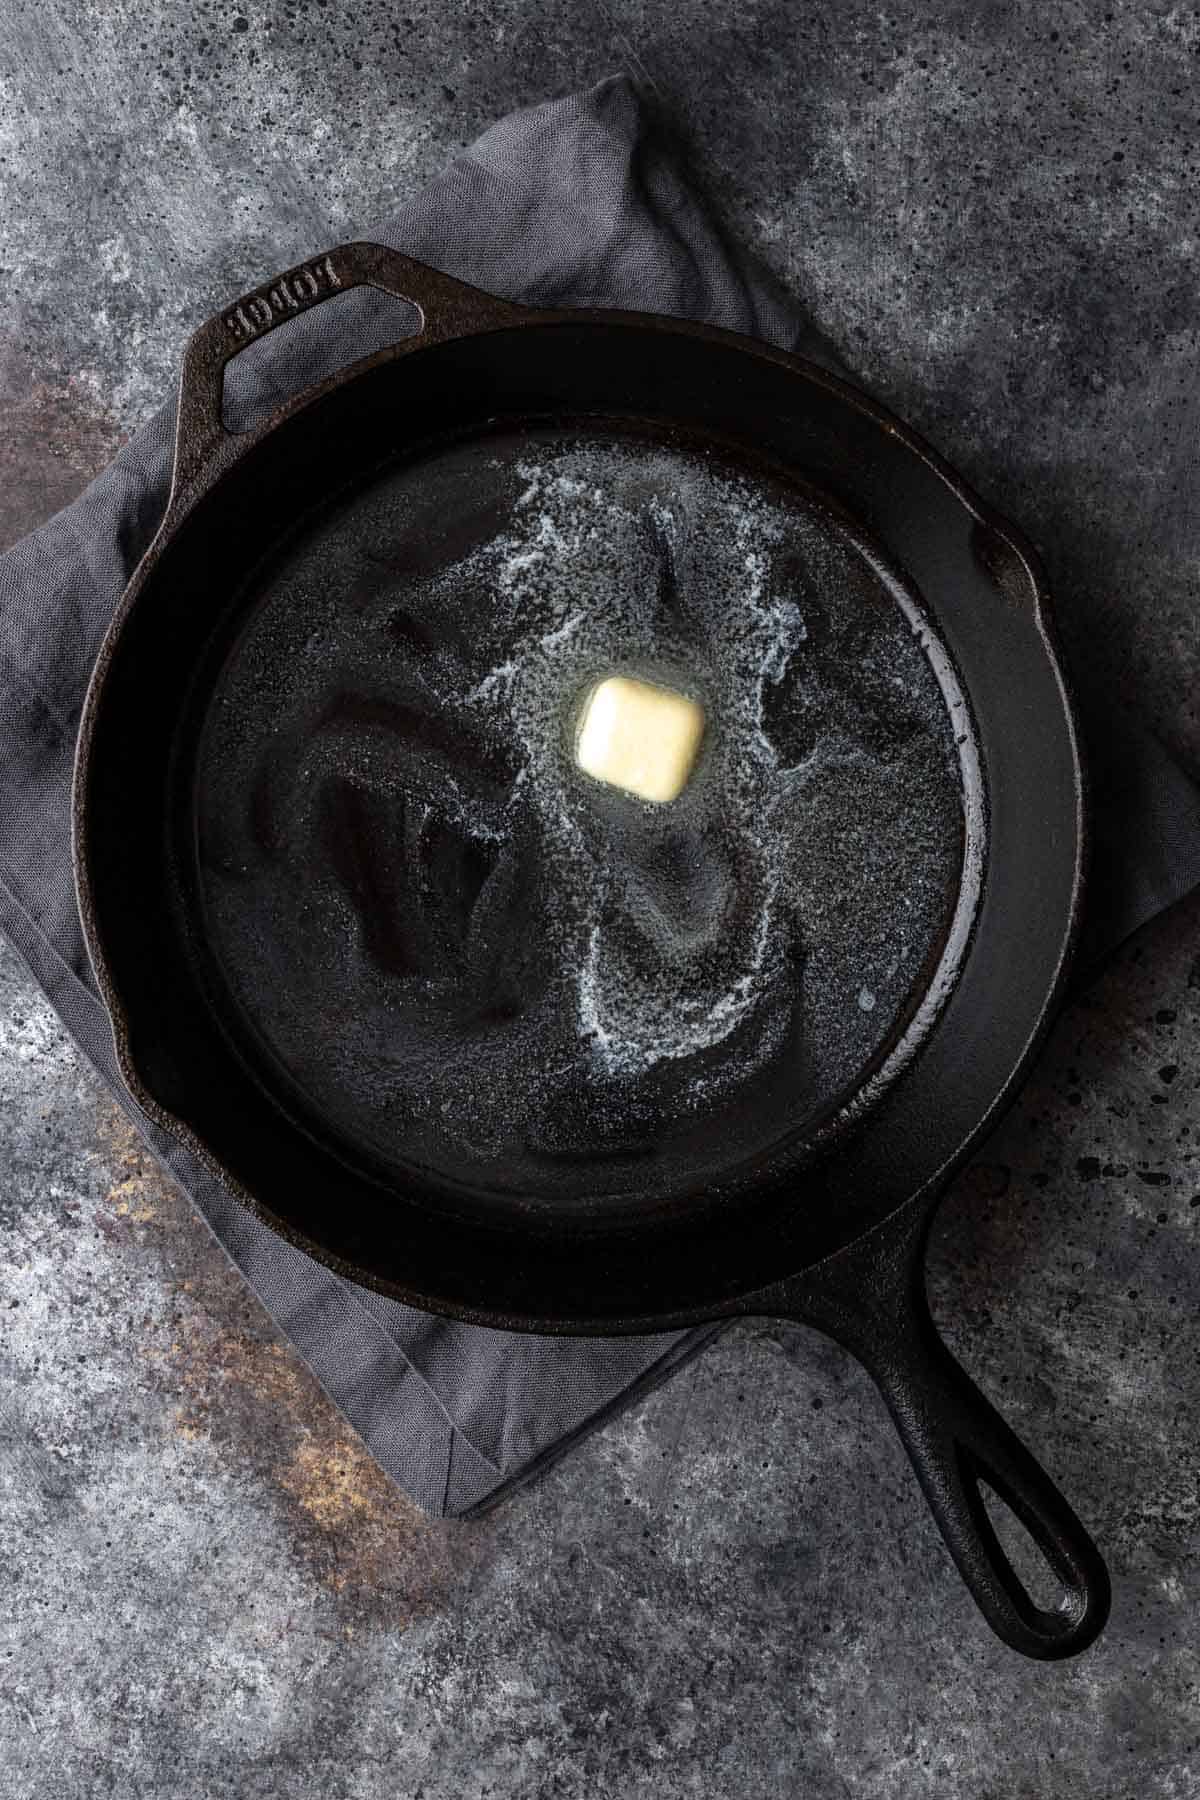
[827, 1223]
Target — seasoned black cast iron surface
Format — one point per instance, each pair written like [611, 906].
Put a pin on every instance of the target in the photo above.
[472, 960]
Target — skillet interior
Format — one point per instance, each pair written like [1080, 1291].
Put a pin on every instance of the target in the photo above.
[445, 947]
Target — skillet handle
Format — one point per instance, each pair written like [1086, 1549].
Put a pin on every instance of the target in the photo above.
[445, 307]
[871, 1299]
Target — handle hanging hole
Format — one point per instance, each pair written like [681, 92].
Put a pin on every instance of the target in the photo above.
[1028, 1560]
[310, 347]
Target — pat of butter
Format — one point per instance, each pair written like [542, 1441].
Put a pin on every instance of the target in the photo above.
[640, 737]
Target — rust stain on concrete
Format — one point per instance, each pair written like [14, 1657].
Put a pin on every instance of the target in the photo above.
[141, 1186]
[139, 1190]
[232, 1380]
[56, 438]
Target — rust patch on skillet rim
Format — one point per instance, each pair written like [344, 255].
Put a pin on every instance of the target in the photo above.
[232, 1380]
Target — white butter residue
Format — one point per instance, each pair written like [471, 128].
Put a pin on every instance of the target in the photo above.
[631, 1015]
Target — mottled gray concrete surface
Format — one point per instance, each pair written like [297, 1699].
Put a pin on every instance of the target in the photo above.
[209, 1589]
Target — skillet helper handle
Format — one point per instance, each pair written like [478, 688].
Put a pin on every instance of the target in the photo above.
[445, 308]
[871, 1299]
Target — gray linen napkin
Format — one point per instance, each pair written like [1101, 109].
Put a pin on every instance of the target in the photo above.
[573, 202]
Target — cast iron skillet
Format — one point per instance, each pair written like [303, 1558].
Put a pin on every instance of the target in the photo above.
[837, 1242]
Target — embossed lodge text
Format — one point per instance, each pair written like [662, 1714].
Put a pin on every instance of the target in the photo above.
[291, 293]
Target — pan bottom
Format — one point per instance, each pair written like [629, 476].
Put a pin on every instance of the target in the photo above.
[451, 953]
